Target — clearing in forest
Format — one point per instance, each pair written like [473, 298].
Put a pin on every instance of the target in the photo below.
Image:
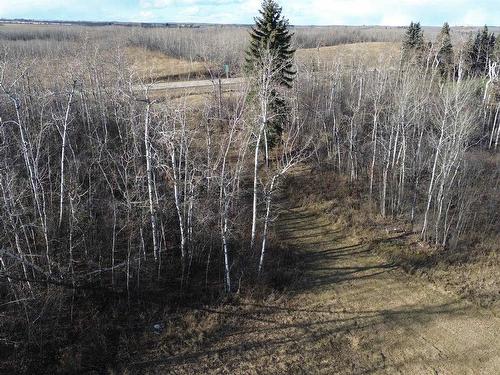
[157, 66]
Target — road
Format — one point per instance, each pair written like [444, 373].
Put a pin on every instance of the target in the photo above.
[198, 86]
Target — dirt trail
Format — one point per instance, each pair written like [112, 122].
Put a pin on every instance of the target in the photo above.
[400, 324]
[351, 313]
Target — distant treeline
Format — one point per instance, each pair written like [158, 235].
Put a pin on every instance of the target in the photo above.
[110, 23]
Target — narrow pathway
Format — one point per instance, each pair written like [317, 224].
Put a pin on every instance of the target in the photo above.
[397, 322]
[350, 313]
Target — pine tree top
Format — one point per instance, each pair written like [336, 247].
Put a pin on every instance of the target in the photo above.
[271, 35]
[413, 41]
[496, 50]
[479, 51]
[445, 29]
[444, 38]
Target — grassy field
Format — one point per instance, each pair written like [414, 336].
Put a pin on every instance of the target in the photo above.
[154, 65]
[364, 54]
[163, 55]
[472, 272]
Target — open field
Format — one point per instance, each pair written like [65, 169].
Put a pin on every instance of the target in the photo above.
[176, 53]
[165, 71]
[351, 55]
[156, 66]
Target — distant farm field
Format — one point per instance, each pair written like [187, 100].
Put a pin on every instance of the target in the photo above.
[366, 54]
[199, 52]
[155, 65]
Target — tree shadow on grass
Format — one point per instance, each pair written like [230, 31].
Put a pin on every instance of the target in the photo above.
[310, 329]
[255, 332]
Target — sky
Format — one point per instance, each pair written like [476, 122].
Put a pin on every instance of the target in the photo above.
[299, 12]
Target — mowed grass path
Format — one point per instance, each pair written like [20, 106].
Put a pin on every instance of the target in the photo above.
[394, 322]
[349, 313]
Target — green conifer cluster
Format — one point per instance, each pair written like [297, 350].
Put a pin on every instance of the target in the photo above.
[479, 51]
[413, 42]
[476, 55]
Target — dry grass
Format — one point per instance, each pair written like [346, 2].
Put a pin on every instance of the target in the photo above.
[471, 271]
[367, 54]
[155, 65]
[346, 311]
[194, 97]
[34, 31]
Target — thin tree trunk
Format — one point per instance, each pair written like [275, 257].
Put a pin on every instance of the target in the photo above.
[266, 223]
[255, 178]
[431, 183]
[63, 155]
[149, 174]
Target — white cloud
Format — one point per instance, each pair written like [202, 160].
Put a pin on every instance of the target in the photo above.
[474, 17]
[160, 4]
[325, 12]
[396, 19]
[386, 12]
[7, 6]
[155, 3]
[190, 11]
[145, 16]
[52, 9]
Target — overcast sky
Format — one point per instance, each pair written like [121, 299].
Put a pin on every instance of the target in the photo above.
[299, 12]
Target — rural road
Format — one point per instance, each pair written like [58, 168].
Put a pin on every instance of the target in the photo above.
[350, 313]
[198, 85]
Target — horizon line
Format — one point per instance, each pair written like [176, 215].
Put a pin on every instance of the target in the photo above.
[165, 23]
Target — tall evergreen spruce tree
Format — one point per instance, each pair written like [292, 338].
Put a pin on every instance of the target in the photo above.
[471, 51]
[413, 43]
[483, 50]
[270, 34]
[445, 54]
[271, 37]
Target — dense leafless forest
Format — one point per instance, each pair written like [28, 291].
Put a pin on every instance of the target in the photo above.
[118, 200]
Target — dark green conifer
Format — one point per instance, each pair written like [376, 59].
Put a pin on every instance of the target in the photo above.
[413, 43]
[493, 47]
[496, 50]
[483, 50]
[445, 55]
[479, 50]
[271, 35]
